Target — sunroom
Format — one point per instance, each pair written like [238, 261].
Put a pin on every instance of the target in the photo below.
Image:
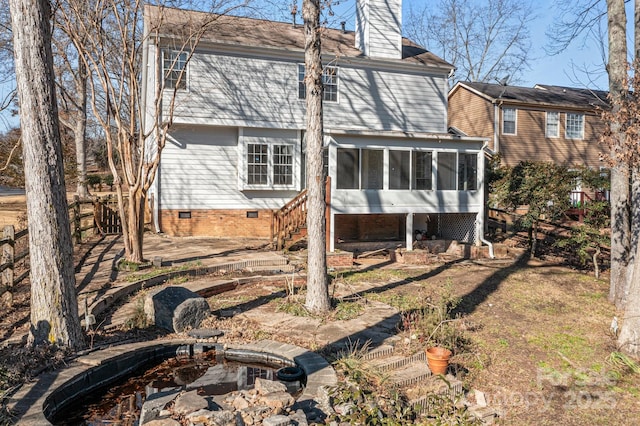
[399, 188]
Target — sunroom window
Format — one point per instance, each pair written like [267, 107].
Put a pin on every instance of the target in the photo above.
[446, 171]
[422, 167]
[467, 172]
[399, 169]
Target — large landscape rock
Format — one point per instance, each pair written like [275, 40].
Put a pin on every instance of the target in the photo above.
[176, 309]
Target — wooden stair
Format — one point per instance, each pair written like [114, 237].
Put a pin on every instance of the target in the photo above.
[289, 224]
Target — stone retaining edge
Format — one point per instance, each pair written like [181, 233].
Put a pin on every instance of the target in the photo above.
[30, 398]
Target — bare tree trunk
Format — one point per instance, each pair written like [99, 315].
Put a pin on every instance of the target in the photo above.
[620, 227]
[135, 219]
[80, 132]
[317, 300]
[54, 308]
[629, 338]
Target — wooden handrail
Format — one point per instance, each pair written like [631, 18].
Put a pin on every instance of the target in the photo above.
[293, 216]
[290, 218]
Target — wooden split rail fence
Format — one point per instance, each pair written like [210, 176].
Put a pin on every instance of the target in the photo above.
[87, 217]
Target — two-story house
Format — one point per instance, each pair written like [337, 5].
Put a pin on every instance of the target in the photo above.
[541, 123]
[236, 152]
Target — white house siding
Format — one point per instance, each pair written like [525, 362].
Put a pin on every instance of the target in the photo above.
[199, 171]
[229, 90]
[378, 28]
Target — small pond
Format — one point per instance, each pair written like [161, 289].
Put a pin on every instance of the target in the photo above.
[210, 373]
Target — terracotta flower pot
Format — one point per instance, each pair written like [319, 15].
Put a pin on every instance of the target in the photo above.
[438, 359]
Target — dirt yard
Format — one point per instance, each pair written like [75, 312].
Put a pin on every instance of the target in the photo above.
[540, 332]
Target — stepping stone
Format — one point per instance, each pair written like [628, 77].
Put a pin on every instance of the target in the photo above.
[204, 333]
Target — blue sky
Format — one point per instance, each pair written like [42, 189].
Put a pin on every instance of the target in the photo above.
[562, 69]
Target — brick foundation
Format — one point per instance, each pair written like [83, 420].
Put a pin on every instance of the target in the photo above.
[428, 251]
[216, 223]
[370, 227]
[340, 259]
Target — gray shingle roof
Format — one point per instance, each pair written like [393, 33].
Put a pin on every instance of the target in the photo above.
[241, 31]
[544, 95]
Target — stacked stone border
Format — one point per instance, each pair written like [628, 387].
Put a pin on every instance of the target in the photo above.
[54, 391]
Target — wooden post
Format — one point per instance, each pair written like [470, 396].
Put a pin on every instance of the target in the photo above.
[77, 226]
[327, 213]
[8, 256]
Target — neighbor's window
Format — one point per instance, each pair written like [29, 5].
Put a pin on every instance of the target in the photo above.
[282, 164]
[399, 169]
[257, 163]
[575, 126]
[553, 124]
[509, 121]
[329, 83]
[467, 172]
[422, 167]
[174, 66]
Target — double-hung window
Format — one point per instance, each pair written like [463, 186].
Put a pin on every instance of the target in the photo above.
[509, 121]
[575, 126]
[329, 83]
[174, 69]
[553, 124]
[269, 166]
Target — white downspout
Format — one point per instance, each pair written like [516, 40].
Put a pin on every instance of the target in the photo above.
[480, 229]
[490, 244]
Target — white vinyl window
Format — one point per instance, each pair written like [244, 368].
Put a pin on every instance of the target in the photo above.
[329, 83]
[174, 67]
[509, 121]
[269, 165]
[574, 126]
[553, 124]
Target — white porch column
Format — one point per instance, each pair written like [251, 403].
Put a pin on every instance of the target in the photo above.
[409, 231]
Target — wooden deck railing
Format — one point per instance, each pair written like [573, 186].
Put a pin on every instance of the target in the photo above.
[14, 262]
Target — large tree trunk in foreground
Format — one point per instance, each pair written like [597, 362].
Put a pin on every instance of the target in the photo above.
[620, 227]
[317, 300]
[629, 338]
[54, 308]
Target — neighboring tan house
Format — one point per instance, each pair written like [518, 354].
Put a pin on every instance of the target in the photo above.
[543, 123]
[236, 152]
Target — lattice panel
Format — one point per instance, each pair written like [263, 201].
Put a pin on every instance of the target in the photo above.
[458, 226]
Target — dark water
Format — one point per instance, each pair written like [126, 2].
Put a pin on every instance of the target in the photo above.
[120, 404]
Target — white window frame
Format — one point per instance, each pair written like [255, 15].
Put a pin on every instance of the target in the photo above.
[243, 165]
[557, 123]
[515, 121]
[580, 134]
[169, 69]
[302, 92]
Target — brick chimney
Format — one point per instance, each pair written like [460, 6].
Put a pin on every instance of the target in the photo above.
[379, 28]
